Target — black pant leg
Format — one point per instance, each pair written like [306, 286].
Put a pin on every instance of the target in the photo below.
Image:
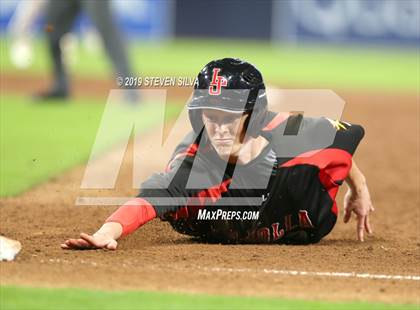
[100, 13]
[60, 16]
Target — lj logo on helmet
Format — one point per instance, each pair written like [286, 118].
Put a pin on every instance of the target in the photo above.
[216, 83]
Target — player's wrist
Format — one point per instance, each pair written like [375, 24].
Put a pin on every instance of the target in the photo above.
[112, 230]
[356, 182]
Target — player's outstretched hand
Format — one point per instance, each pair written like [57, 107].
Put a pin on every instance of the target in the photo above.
[95, 241]
[360, 203]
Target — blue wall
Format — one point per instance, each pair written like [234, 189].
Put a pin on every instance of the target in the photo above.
[348, 21]
[225, 19]
[389, 22]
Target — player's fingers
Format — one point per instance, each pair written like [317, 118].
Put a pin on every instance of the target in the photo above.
[90, 240]
[64, 246]
[367, 225]
[347, 215]
[78, 244]
[360, 227]
[112, 245]
[71, 243]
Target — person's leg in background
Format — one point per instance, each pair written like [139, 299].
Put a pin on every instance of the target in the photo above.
[60, 16]
[100, 13]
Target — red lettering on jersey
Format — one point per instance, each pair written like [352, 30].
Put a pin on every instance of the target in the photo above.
[216, 83]
[288, 222]
[304, 221]
[263, 234]
[277, 234]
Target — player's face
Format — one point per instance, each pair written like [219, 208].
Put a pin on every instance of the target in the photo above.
[226, 131]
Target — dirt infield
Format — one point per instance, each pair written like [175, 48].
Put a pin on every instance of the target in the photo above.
[157, 258]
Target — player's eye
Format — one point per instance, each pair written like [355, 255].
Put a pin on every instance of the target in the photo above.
[231, 119]
[211, 119]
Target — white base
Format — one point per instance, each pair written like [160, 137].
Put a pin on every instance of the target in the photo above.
[9, 248]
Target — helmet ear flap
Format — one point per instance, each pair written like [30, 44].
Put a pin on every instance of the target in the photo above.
[196, 120]
[198, 125]
[254, 127]
[257, 115]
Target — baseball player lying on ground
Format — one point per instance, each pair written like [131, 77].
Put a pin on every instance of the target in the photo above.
[257, 176]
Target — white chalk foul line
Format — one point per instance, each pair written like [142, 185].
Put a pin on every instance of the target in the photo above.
[315, 274]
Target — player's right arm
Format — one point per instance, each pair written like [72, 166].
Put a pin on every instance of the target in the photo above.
[138, 211]
[125, 220]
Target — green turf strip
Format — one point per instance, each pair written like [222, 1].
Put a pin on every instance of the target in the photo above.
[42, 298]
[332, 67]
[38, 141]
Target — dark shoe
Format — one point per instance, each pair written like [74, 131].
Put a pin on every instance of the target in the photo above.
[132, 97]
[52, 94]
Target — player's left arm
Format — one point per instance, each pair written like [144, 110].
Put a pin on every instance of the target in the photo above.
[357, 200]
